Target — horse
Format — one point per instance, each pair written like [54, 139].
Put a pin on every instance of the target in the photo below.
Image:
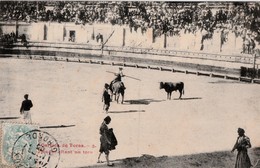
[117, 88]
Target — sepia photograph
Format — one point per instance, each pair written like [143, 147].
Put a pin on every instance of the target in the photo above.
[129, 84]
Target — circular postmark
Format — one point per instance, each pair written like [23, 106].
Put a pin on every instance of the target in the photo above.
[36, 149]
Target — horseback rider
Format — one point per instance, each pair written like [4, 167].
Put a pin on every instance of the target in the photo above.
[118, 78]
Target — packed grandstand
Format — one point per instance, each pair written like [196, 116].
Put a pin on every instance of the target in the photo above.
[170, 18]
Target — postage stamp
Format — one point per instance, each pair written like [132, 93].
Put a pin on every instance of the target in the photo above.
[24, 145]
[10, 132]
[36, 148]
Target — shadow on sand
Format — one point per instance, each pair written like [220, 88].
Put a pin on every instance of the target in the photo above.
[143, 161]
[227, 82]
[58, 126]
[188, 98]
[128, 111]
[141, 101]
[9, 118]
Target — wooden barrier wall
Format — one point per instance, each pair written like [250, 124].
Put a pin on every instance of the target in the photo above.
[142, 66]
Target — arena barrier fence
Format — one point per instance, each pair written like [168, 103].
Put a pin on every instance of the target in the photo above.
[119, 51]
[142, 66]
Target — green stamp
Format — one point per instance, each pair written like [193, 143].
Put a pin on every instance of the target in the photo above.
[10, 133]
[36, 148]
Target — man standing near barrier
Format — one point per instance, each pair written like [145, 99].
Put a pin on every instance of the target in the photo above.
[25, 109]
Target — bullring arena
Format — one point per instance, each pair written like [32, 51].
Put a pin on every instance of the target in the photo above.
[65, 82]
[69, 94]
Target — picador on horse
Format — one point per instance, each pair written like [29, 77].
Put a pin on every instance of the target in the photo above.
[118, 78]
[117, 86]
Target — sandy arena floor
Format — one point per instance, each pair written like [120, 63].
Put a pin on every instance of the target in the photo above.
[69, 94]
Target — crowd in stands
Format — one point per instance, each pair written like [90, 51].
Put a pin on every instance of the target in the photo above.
[8, 39]
[243, 18]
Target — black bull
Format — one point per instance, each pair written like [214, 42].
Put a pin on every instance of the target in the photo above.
[169, 87]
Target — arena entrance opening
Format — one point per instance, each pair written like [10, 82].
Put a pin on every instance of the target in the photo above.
[72, 34]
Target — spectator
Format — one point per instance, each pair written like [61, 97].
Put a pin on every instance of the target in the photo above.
[24, 41]
[163, 18]
[99, 38]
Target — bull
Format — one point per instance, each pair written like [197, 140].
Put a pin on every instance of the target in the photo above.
[169, 87]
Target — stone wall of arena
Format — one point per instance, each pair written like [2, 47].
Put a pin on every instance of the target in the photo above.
[51, 40]
[115, 35]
